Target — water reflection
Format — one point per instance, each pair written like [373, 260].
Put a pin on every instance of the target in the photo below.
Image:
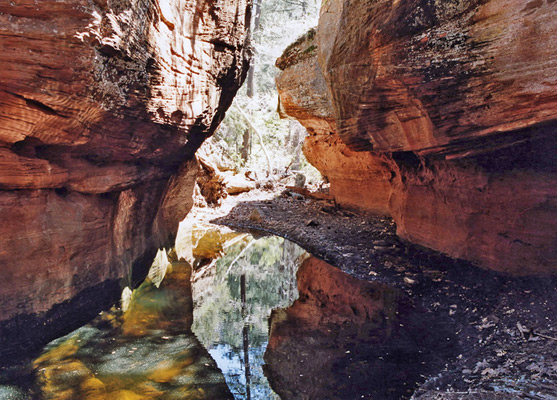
[146, 352]
[349, 339]
[233, 301]
[254, 336]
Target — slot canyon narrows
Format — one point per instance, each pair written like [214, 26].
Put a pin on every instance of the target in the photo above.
[268, 199]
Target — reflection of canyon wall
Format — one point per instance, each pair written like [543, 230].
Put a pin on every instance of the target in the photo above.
[441, 114]
[330, 297]
[348, 338]
[102, 104]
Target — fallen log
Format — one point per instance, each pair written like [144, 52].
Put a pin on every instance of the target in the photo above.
[311, 195]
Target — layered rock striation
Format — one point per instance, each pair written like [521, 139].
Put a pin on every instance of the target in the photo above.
[102, 106]
[441, 114]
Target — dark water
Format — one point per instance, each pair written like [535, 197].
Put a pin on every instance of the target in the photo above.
[235, 323]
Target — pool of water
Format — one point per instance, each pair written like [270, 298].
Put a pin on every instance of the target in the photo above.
[233, 300]
[238, 317]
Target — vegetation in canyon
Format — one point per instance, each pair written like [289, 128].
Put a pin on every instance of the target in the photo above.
[252, 134]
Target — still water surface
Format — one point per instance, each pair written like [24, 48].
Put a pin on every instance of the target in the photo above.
[233, 302]
[200, 330]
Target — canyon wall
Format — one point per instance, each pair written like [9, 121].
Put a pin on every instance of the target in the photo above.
[441, 114]
[102, 106]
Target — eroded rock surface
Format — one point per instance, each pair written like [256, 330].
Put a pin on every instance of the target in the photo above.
[441, 114]
[102, 104]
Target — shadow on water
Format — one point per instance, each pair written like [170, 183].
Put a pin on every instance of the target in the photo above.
[245, 322]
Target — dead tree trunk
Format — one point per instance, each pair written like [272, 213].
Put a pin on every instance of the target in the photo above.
[246, 145]
[259, 136]
[250, 82]
[251, 73]
[245, 336]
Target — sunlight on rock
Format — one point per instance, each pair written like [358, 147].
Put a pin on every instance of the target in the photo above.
[126, 298]
[198, 240]
[184, 243]
[210, 243]
[158, 268]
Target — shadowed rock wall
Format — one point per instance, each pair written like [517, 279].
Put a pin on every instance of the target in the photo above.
[441, 114]
[102, 104]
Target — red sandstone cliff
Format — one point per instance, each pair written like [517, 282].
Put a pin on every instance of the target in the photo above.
[441, 114]
[102, 104]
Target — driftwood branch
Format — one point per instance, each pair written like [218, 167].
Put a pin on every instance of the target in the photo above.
[237, 258]
[311, 195]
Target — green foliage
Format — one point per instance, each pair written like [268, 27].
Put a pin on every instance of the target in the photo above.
[281, 23]
[310, 49]
[301, 49]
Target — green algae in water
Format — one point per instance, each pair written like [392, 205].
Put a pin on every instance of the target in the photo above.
[146, 352]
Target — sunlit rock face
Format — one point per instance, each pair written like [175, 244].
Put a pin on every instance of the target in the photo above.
[446, 113]
[358, 179]
[102, 104]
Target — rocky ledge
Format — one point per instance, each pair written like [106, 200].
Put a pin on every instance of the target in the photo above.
[460, 332]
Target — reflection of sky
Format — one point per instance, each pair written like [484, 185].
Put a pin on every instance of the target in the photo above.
[232, 368]
[270, 265]
[231, 363]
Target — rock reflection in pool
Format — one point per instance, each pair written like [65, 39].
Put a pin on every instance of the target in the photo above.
[234, 297]
[341, 339]
[148, 352]
[349, 339]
